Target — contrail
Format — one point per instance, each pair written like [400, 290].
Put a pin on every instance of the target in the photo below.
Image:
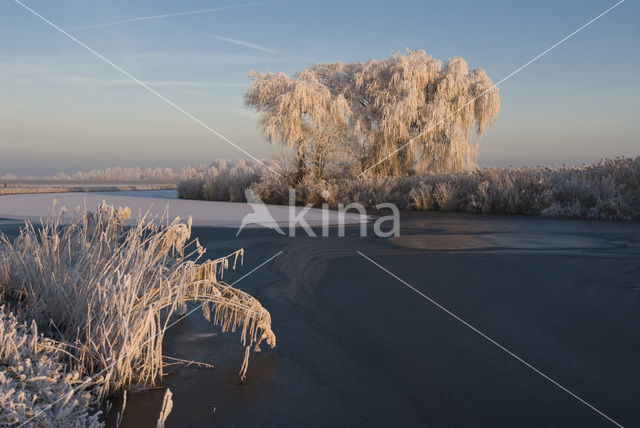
[167, 15]
[245, 44]
[148, 88]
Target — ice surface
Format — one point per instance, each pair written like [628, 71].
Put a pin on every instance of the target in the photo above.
[204, 213]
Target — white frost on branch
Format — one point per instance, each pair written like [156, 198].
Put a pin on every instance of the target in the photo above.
[364, 112]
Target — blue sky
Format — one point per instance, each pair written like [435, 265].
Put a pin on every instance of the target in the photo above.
[63, 109]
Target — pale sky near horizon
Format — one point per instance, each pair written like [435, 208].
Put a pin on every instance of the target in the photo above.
[63, 109]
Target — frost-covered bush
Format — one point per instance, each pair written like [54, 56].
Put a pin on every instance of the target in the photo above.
[105, 293]
[223, 180]
[190, 182]
[609, 189]
[35, 382]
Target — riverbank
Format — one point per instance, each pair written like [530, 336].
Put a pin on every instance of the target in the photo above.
[606, 190]
[32, 187]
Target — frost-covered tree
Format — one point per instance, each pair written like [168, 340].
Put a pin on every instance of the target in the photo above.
[302, 113]
[370, 110]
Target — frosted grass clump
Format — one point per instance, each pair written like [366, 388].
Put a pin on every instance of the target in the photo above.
[223, 180]
[34, 376]
[609, 189]
[107, 292]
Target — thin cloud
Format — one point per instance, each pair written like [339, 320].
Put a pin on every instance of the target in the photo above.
[168, 15]
[245, 44]
[159, 83]
[197, 84]
[99, 81]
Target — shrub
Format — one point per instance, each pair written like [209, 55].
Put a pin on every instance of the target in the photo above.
[223, 180]
[106, 292]
[608, 190]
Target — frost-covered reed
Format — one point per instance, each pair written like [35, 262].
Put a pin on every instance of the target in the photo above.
[609, 189]
[35, 380]
[223, 180]
[106, 294]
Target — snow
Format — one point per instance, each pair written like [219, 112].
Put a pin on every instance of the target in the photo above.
[204, 213]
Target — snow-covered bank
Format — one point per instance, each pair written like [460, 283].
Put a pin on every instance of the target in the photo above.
[204, 213]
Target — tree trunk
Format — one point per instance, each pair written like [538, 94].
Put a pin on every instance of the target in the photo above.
[302, 164]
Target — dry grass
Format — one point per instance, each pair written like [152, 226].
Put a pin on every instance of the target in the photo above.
[609, 190]
[33, 377]
[223, 180]
[106, 293]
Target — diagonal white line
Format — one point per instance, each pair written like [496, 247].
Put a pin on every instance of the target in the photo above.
[183, 13]
[74, 390]
[144, 85]
[245, 44]
[439, 306]
[232, 284]
[517, 70]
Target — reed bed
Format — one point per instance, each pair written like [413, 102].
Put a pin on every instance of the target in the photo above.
[106, 293]
[608, 190]
[223, 180]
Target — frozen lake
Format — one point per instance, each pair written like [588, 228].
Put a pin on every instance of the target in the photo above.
[356, 347]
[203, 213]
